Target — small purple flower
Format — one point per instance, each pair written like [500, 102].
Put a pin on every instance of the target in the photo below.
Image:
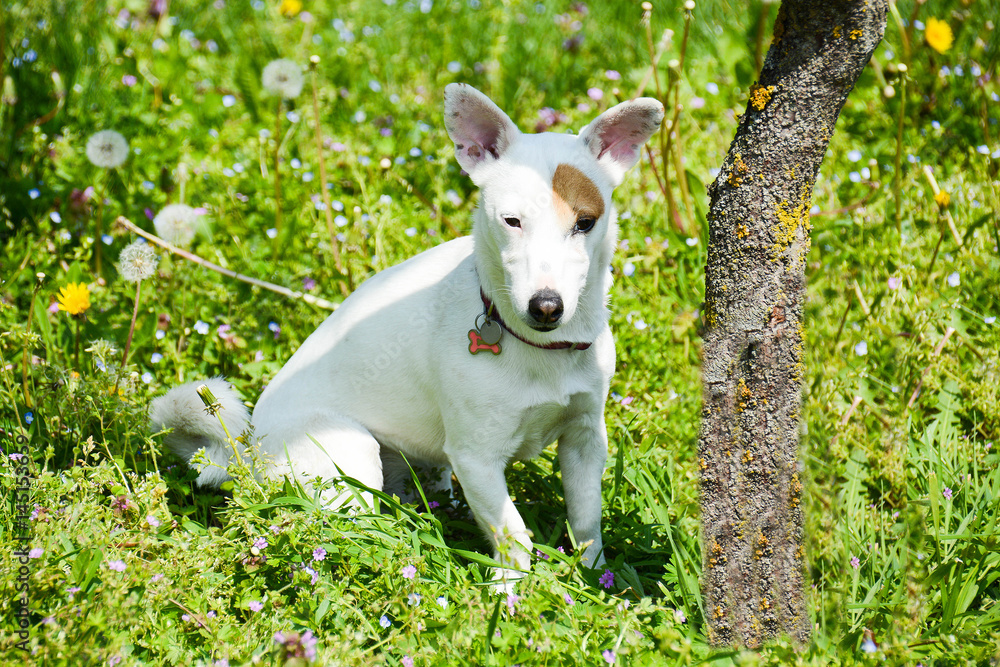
[255, 605]
[433, 505]
[129, 80]
[36, 553]
[117, 565]
[16, 456]
[538, 552]
[319, 553]
[152, 521]
[946, 493]
[595, 94]
[609, 656]
[855, 562]
[308, 284]
[512, 602]
[275, 329]
[607, 579]
[894, 282]
[613, 75]
[312, 573]
[679, 616]
[156, 577]
[407, 661]
[260, 543]
[274, 529]
[568, 599]
[409, 572]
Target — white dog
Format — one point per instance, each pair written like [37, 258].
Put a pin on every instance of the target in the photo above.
[481, 350]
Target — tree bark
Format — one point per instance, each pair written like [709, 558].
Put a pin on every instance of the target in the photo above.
[751, 480]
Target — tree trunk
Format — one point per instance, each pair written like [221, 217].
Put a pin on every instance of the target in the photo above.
[751, 481]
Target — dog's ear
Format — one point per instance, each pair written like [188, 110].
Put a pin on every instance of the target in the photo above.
[480, 130]
[615, 138]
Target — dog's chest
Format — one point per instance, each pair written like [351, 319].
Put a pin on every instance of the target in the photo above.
[540, 425]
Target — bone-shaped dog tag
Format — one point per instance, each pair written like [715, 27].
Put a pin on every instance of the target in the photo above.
[490, 332]
[476, 344]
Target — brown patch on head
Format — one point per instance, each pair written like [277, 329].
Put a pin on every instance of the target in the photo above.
[575, 196]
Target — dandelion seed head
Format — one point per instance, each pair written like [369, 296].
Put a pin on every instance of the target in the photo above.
[177, 224]
[107, 149]
[283, 77]
[137, 262]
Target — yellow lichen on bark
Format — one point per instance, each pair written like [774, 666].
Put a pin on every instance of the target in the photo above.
[760, 96]
[789, 221]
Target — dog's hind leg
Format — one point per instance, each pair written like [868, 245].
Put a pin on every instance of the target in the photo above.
[327, 447]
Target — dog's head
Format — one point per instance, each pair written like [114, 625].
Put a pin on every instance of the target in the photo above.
[545, 229]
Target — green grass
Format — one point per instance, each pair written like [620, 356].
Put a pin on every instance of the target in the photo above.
[908, 490]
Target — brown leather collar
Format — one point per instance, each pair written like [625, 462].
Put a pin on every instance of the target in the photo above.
[494, 314]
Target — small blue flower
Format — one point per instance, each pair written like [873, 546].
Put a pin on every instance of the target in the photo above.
[29, 417]
[34, 193]
[384, 621]
[155, 358]
[228, 100]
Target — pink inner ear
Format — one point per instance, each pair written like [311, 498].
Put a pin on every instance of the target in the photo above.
[621, 134]
[480, 130]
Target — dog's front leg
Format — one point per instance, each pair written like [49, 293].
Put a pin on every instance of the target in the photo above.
[583, 451]
[482, 480]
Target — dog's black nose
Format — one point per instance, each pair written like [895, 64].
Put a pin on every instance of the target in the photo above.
[546, 306]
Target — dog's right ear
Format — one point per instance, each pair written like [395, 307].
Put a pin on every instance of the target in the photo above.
[480, 130]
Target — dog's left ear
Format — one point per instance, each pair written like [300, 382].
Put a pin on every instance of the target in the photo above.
[480, 130]
[615, 138]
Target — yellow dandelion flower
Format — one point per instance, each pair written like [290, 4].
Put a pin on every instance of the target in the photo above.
[290, 7]
[942, 198]
[938, 35]
[74, 298]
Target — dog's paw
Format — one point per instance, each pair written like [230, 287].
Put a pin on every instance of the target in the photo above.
[505, 581]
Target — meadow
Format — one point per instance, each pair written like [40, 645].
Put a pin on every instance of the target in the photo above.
[113, 556]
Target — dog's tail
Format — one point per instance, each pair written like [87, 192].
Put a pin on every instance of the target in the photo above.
[194, 428]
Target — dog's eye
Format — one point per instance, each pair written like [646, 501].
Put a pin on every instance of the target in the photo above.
[511, 221]
[584, 224]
